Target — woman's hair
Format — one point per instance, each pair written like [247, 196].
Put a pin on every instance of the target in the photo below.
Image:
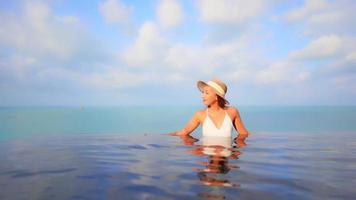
[221, 101]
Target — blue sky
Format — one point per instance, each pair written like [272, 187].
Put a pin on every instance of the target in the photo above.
[130, 52]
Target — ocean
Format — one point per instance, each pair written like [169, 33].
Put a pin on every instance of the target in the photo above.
[294, 152]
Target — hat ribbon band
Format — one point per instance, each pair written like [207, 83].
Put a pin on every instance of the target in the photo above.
[216, 86]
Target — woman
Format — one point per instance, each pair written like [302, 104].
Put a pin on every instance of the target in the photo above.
[218, 119]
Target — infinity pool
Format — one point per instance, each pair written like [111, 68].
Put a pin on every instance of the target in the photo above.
[270, 165]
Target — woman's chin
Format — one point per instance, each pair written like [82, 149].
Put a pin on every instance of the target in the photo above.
[205, 103]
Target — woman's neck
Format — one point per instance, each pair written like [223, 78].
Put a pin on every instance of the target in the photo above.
[215, 107]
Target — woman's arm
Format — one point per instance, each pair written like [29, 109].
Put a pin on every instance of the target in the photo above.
[243, 133]
[192, 124]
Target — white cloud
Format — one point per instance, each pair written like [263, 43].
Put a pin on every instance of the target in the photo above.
[302, 76]
[39, 33]
[170, 13]
[40, 47]
[281, 72]
[181, 56]
[152, 52]
[345, 65]
[335, 52]
[338, 21]
[147, 48]
[15, 68]
[308, 9]
[114, 11]
[45, 44]
[321, 48]
[115, 79]
[325, 17]
[188, 58]
[272, 74]
[334, 56]
[351, 57]
[243, 74]
[230, 11]
[109, 79]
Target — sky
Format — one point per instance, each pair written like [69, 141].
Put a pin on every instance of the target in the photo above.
[152, 52]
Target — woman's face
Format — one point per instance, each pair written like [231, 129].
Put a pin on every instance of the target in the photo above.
[209, 96]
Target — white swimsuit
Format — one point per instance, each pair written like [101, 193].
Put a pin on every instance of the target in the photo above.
[214, 137]
[209, 128]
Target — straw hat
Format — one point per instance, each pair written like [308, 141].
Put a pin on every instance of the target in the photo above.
[218, 86]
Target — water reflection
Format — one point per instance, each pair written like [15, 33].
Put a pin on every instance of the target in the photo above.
[215, 167]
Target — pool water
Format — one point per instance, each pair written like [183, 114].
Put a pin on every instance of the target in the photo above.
[268, 165]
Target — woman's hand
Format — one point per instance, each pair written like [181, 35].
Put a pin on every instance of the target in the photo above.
[173, 133]
[177, 133]
[240, 140]
[243, 136]
[190, 126]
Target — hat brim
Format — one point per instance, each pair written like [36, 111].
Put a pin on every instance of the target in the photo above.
[202, 84]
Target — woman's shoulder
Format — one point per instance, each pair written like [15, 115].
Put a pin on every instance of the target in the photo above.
[231, 108]
[200, 114]
[233, 111]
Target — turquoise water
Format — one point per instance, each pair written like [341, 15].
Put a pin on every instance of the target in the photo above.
[123, 153]
[32, 121]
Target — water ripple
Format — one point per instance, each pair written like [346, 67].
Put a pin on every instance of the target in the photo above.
[25, 173]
